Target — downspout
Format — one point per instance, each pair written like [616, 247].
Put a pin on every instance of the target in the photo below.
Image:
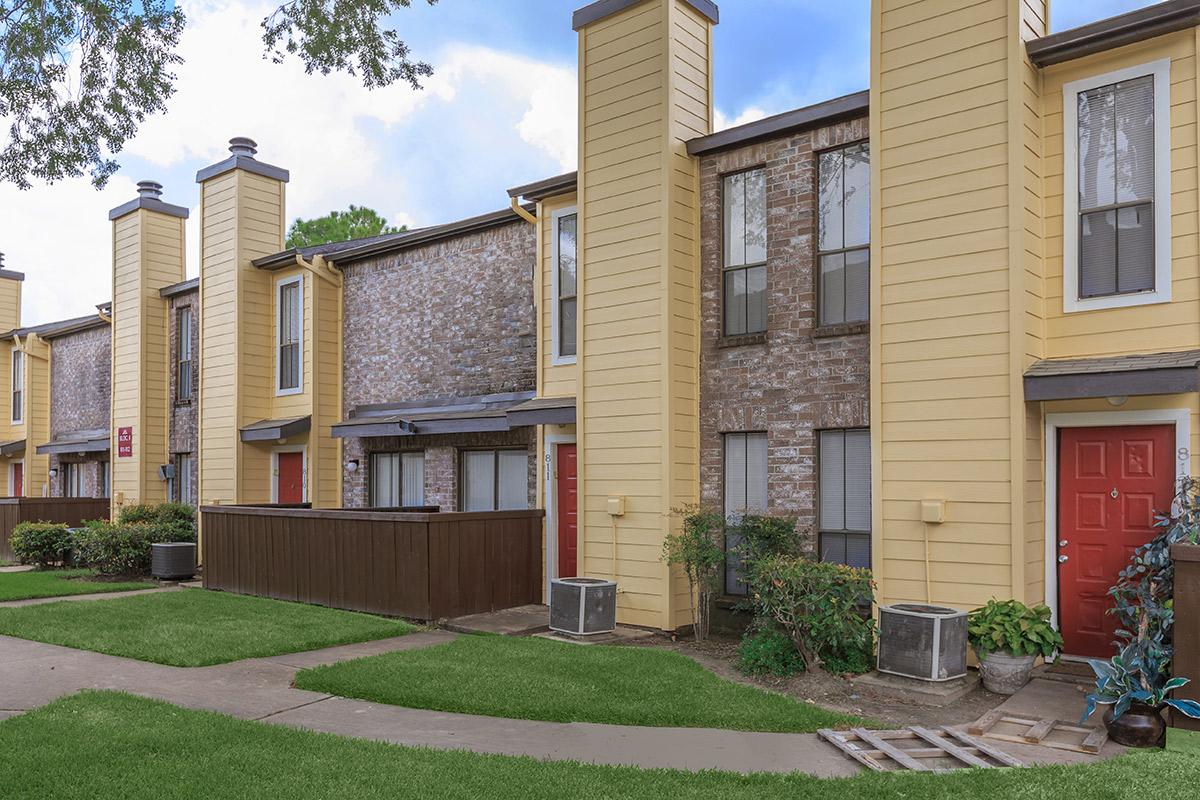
[521, 212]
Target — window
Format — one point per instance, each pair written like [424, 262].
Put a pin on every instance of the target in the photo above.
[18, 386]
[745, 491]
[183, 348]
[291, 326]
[745, 264]
[1117, 193]
[844, 234]
[185, 490]
[494, 480]
[397, 479]
[845, 496]
[106, 478]
[565, 285]
[72, 477]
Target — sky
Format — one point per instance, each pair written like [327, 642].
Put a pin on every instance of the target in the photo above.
[499, 111]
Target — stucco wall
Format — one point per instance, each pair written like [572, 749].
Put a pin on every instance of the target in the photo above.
[795, 378]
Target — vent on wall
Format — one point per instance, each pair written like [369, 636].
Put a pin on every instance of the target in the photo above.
[925, 642]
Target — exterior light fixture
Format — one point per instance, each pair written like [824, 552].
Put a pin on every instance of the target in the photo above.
[1118, 401]
[54, 472]
[352, 465]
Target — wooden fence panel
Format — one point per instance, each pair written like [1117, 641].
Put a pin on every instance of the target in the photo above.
[70, 511]
[1187, 627]
[416, 565]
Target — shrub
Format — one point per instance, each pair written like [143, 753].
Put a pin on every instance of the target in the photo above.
[119, 549]
[174, 520]
[697, 547]
[768, 652]
[42, 543]
[817, 604]
[1012, 627]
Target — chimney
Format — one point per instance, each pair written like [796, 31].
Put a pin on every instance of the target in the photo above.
[242, 212]
[645, 90]
[148, 254]
[10, 297]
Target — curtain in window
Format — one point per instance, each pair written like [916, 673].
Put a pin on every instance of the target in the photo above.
[844, 492]
[514, 479]
[1116, 188]
[479, 480]
[385, 480]
[183, 479]
[412, 475]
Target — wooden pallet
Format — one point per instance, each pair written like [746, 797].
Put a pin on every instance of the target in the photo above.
[916, 748]
[1079, 739]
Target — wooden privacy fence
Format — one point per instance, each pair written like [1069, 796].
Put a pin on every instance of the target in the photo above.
[1186, 631]
[71, 510]
[416, 565]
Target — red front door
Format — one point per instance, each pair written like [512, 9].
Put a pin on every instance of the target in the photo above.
[567, 498]
[289, 487]
[1111, 483]
[18, 479]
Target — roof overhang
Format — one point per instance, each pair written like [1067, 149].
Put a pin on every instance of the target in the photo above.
[543, 411]
[789, 122]
[270, 430]
[81, 442]
[1116, 376]
[548, 187]
[481, 414]
[12, 448]
[1107, 34]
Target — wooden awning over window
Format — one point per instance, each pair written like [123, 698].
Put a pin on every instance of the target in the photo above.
[12, 448]
[270, 430]
[1113, 376]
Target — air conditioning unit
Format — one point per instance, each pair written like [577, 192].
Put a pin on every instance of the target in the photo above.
[924, 642]
[173, 561]
[583, 606]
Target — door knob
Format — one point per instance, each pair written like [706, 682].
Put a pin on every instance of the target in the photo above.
[1063, 543]
[1062, 559]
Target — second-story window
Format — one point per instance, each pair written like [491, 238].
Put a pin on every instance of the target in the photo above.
[291, 334]
[565, 280]
[18, 386]
[844, 234]
[745, 258]
[183, 346]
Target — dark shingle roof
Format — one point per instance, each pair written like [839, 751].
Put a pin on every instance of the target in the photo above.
[1185, 359]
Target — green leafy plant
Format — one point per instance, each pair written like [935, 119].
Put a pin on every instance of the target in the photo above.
[816, 603]
[1137, 675]
[1010, 626]
[339, 226]
[697, 548]
[119, 550]
[173, 522]
[769, 652]
[42, 543]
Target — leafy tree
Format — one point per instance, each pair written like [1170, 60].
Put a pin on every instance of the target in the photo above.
[339, 226]
[78, 77]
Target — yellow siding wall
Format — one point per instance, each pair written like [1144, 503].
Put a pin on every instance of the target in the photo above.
[35, 427]
[954, 175]
[644, 87]
[553, 380]
[148, 252]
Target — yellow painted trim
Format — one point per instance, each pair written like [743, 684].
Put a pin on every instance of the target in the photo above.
[522, 213]
[1016, 302]
[876, 291]
[321, 268]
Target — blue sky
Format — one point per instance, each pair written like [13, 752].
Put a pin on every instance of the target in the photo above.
[499, 112]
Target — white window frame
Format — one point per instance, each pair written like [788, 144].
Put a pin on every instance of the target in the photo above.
[183, 488]
[1161, 71]
[274, 475]
[18, 408]
[184, 344]
[279, 287]
[557, 359]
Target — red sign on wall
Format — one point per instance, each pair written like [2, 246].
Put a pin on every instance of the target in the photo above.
[125, 442]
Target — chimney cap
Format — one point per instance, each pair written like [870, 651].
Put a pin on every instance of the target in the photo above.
[150, 198]
[243, 146]
[149, 189]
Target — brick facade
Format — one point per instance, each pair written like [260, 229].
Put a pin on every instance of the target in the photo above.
[795, 379]
[183, 423]
[80, 392]
[450, 319]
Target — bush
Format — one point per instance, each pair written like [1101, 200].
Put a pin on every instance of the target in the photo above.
[817, 604]
[1012, 627]
[42, 543]
[697, 548]
[769, 652]
[175, 520]
[119, 550]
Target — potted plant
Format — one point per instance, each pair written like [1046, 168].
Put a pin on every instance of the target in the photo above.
[1134, 685]
[1007, 637]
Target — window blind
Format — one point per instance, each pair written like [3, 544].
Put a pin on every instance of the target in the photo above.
[844, 491]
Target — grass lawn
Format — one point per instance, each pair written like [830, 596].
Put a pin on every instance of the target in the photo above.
[194, 627]
[530, 678]
[58, 583]
[108, 746]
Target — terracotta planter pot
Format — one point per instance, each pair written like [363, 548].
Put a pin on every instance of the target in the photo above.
[1140, 726]
[1004, 673]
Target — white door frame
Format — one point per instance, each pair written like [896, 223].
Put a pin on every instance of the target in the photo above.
[12, 475]
[274, 476]
[550, 493]
[1181, 418]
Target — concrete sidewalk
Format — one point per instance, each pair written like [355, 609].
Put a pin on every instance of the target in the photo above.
[33, 674]
[38, 601]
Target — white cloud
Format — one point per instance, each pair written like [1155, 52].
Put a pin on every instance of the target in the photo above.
[748, 114]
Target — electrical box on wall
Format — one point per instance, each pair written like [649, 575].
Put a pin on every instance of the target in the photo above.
[616, 506]
[933, 511]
